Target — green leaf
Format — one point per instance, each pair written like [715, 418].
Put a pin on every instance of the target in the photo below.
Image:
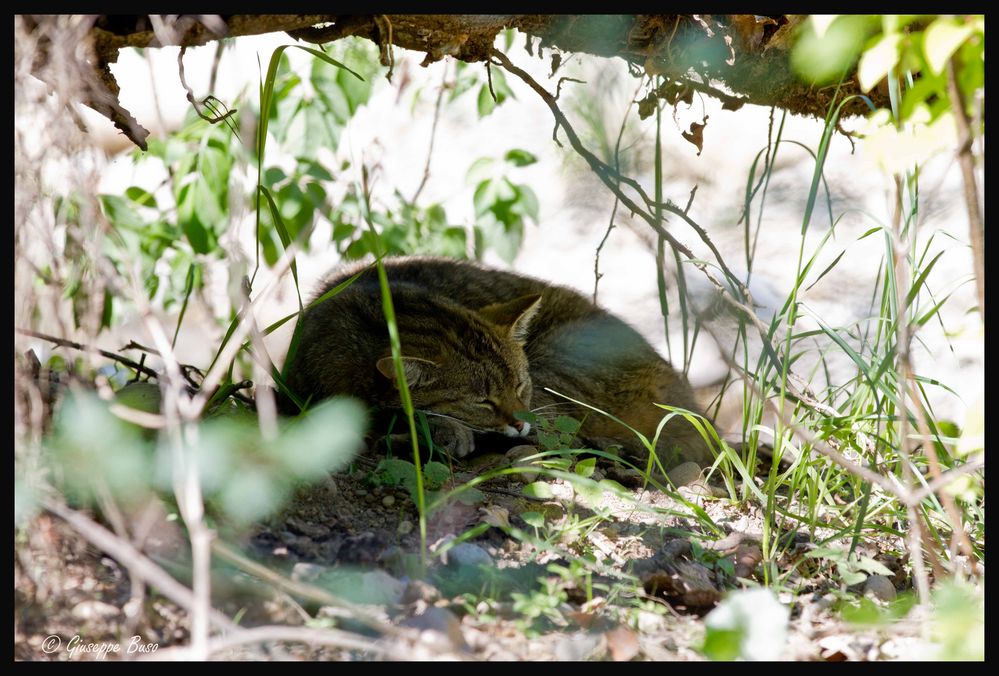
[435, 474]
[120, 213]
[480, 170]
[141, 197]
[323, 440]
[483, 197]
[485, 103]
[585, 467]
[528, 201]
[824, 58]
[251, 494]
[538, 490]
[214, 166]
[942, 39]
[561, 464]
[877, 61]
[821, 23]
[564, 423]
[851, 577]
[869, 565]
[520, 158]
[535, 519]
[393, 471]
[526, 416]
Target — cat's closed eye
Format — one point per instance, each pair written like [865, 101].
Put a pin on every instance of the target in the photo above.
[488, 403]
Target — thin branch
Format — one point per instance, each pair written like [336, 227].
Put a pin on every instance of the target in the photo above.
[304, 590]
[903, 367]
[433, 136]
[134, 560]
[206, 101]
[278, 633]
[976, 227]
[611, 179]
[617, 167]
[947, 477]
[386, 56]
[135, 366]
[959, 539]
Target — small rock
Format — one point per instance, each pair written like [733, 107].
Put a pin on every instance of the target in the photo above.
[579, 647]
[441, 621]
[521, 452]
[685, 474]
[880, 587]
[746, 558]
[360, 492]
[405, 527]
[388, 501]
[468, 554]
[515, 457]
[94, 610]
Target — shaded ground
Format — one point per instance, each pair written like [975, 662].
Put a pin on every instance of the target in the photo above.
[511, 592]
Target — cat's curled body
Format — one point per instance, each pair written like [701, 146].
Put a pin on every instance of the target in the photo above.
[479, 345]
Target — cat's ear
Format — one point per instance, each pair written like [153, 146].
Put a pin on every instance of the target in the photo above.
[416, 370]
[516, 314]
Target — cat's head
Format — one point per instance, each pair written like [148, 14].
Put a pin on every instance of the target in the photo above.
[471, 366]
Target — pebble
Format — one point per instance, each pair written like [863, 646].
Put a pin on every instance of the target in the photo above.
[94, 610]
[388, 501]
[405, 527]
[685, 474]
[880, 587]
[468, 554]
[579, 647]
[439, 620]
[515, 457]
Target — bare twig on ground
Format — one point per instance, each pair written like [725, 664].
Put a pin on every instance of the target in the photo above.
[337, 638]
[304, 590]
[134, 560]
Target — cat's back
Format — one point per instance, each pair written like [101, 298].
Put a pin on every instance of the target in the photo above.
[467, 284]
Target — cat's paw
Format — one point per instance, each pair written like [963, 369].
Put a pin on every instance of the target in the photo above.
[453, 438]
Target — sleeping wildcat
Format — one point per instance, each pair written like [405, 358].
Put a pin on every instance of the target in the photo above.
[479, 345]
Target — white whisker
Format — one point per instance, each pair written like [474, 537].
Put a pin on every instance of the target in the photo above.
[460, 422]
[559, 404]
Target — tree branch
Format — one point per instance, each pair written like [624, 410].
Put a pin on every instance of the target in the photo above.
[749, 55]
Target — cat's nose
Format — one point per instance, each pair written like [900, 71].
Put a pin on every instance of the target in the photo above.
[518, 425]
